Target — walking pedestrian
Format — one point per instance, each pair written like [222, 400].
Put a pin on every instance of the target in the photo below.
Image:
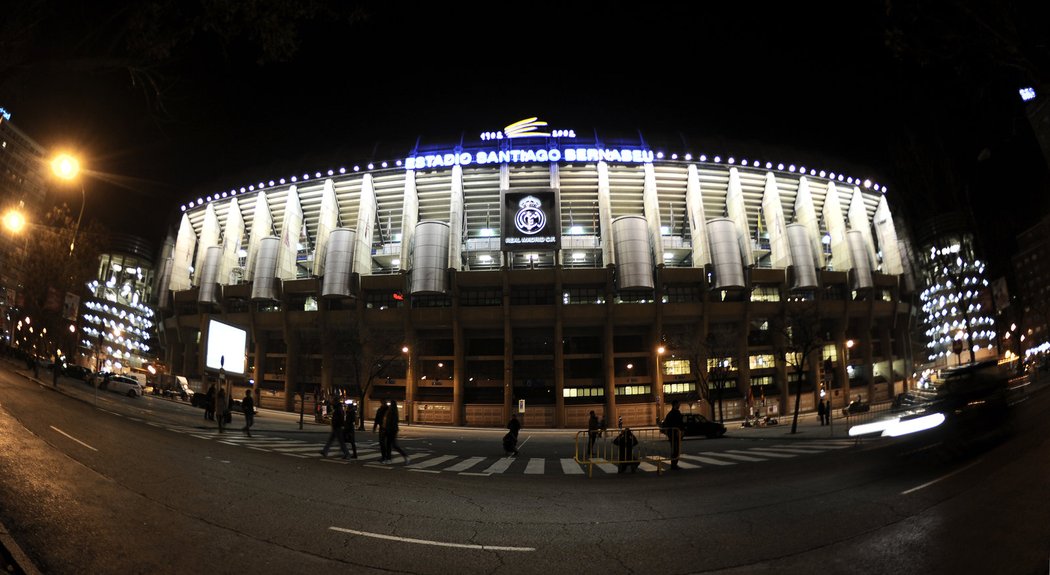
[593, 426]
[822, 411]
[209, 403]
[348, 427]
[248, 407]
[220, 409]
[673, 426]
[626, 442]
[510, 440]
[391, 424]
[54, 371]
[337, 431]
[384, 449]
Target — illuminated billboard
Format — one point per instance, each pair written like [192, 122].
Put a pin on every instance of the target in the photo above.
[530, 220]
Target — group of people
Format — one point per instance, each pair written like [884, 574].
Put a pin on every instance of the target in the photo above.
[217, 398]
[388, 423]
[343, 421]
[824, 412]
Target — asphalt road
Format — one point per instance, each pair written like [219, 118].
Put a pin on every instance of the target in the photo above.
[146, 486]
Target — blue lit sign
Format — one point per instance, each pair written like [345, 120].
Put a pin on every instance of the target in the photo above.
[529, 156]
[5, 114]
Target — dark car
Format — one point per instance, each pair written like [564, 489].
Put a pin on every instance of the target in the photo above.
[856, 407]
[696, 424]
[77, 372]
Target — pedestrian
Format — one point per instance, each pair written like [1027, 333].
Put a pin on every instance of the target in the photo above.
[54, 371]
[593, 425]
[209, 403]
[822, 411]
[510, 440]
[348, 427]
[220, 409]
[673, 426]
[384, 451]
[337, 432]
[626, 442]
[601, 426]
[248, 407]
[390, 429]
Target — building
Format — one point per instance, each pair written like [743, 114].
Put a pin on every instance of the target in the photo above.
[957, 304]
[116, 322]
[550, 273]
[1033, 286]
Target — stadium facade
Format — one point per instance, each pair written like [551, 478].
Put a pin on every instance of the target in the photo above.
[531, 269]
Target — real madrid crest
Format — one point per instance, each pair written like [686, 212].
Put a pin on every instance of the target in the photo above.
[530, 219]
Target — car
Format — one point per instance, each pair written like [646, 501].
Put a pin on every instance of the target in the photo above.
[855, 407]
[124, 385]
[696, 424]
[77, 372]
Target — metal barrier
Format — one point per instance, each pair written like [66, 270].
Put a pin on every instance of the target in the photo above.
[612, 448]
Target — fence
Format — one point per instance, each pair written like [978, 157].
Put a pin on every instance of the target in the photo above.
[612, 449]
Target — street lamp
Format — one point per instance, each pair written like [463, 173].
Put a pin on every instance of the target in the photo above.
[67, 167]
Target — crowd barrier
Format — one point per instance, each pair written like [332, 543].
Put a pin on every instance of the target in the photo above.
[613, 450]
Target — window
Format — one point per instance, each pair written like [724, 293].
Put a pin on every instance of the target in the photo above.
[537, 295]
[830, 352]
[419, 301]
[583, 295]
[765, 293]
[635, 296]
[381, 300]
[677, 367]
[673, 388]
[682, 294]
[583, 392]
[762, 381]
[633, 390]
[761, 361]
[481, 297]
[726, 362]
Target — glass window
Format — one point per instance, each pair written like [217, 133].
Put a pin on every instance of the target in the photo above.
[765, 293]
[673, 388]
[633, 390]
[761, 361]
[677, 367]
[583, 392]
[583, 295]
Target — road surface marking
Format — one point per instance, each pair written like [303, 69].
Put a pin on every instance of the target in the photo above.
[707, 460]
[500, 466]
[788, 450]
[466, 464]
[737, 457]
[73, 438]
[430, 542]
[766, 453]
[423, 470]
[431, 462]
[941, 478]
[570, 467]
[535, 466]
[475, 474]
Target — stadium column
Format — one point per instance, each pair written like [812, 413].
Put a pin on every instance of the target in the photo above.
[559, 351]
[259, 369]
[886, 345]
[656, 348]
[458, 357]
[292, 385]
[842, 367]
[508, 350]
[609, 357]
[868, 355]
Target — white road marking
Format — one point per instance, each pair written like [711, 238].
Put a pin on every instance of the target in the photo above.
[570, 467]
[430, 542]
[737, 457]
[431, 462]
[466, 464]
[767, 453]
[475, 474]
[707, 460]
[535, 466]
[73, 438]
[500, 466]
[941, 478]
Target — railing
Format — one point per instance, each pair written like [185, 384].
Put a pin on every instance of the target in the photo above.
[613, 450]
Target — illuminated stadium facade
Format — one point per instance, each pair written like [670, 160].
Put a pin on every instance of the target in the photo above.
[535, 269]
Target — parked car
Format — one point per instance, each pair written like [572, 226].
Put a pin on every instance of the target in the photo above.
[77, 372]
[696, 424]
[178, 388]
[124, 385]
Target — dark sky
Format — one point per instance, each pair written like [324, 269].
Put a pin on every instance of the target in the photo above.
[766, 80]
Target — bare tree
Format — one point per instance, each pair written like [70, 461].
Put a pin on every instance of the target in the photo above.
[369, 356]
[802, 339]
[710, 359]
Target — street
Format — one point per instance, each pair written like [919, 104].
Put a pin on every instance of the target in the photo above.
[145, 485]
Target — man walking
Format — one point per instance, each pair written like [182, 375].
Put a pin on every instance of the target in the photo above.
[248, 406]
[348, 428]
[337, 431]
[593, 425]
[674, 425]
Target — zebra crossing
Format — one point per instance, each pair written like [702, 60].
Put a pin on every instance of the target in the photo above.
[423, 461]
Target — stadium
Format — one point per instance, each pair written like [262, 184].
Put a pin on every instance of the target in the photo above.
[534, 271]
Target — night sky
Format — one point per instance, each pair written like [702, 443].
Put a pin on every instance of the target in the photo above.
[366, 81]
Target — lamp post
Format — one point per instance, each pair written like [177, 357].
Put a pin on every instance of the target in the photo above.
[67, 167]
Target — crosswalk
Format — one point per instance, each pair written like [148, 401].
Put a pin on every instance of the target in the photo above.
[423, 461]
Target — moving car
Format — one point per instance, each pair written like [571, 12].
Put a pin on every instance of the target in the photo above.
[855, 407]
[124, 385]
[696, 424]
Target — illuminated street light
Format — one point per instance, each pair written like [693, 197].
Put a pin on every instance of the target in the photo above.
[67, 167]
[14, 221]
